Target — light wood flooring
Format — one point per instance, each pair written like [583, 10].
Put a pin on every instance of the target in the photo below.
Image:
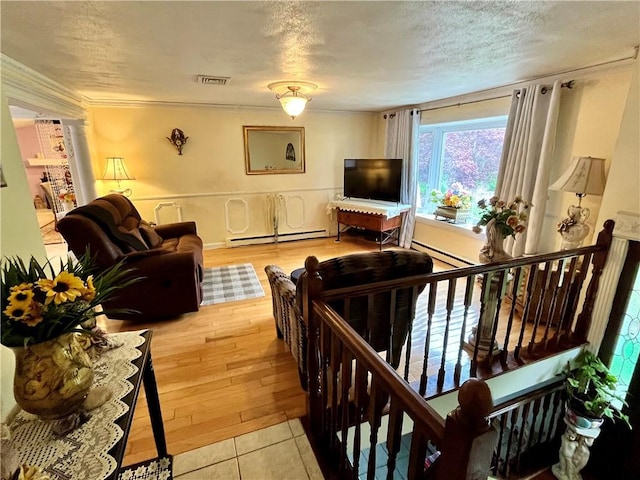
[222, 372]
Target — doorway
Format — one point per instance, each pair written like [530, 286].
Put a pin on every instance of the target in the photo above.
[45, 158]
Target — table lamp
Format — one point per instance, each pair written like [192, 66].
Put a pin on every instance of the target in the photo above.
[116, 170]
[585, 176]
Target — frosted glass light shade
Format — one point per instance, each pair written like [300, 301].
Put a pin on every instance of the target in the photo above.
[293, 95]
[293, 105]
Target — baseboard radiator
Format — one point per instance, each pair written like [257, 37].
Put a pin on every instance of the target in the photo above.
[282, 237]
[441, 255]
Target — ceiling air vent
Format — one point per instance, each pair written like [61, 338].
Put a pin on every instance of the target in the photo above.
[210, 80]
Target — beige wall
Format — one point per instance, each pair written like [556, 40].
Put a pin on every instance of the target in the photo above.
[209, 181]
[623, 183]
[19, 231]
[589, 124]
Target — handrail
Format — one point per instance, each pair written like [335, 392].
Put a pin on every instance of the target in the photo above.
[527, 396]
[404, 282]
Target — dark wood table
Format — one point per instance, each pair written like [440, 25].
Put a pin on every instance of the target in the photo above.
[147, 377]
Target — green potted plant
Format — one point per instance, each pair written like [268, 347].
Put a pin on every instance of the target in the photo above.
[591, 393]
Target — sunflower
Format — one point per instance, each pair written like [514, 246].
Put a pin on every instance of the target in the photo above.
[17, 312]
[66, 287]
[31, 321]
[89, 293]
[21, 296]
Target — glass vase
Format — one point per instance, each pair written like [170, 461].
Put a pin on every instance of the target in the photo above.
[52, 378]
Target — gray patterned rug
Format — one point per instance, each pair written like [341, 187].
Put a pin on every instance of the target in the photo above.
[230, 283]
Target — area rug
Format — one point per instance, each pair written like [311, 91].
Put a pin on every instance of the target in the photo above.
[156, 469]
[230, 283]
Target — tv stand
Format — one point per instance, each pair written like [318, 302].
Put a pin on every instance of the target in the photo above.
[383, 218]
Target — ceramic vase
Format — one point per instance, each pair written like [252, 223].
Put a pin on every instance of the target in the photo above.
[493, 251]
[52, 378]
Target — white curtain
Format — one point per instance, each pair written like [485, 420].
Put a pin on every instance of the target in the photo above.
[526, 158]
[402, 142]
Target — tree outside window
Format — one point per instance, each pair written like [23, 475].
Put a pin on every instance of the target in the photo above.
[462, 155]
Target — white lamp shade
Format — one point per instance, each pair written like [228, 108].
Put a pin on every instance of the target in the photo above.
[116, 169]
[585, 176]
[293, 105]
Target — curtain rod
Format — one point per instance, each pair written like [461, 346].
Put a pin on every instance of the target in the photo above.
[570, 84]
[636, 50]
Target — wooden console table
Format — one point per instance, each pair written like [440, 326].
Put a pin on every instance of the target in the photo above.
[384, 218]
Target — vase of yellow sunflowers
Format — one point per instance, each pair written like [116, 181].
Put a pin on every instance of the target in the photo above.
[44, 309]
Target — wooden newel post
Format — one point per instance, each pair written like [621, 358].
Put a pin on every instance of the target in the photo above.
[605, 238]
[469, 439]
[312, 288]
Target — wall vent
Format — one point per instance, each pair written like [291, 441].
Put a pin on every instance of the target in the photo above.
[210, 80]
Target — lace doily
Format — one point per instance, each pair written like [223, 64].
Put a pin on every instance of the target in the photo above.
[376, 207]
[82, 453]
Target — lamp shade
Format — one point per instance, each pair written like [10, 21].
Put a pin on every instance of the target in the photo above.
[116, 169]
[293, 105]
[584, 176]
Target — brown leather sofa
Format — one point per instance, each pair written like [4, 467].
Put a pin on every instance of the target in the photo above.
[167, 257]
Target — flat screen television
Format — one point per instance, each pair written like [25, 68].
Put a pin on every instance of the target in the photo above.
[373, 178]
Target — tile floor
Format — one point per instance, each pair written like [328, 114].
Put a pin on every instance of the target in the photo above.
[279, 452]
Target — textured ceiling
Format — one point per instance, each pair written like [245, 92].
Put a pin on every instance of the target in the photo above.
[366, 56]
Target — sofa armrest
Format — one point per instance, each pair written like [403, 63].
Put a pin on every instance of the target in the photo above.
[174, 230]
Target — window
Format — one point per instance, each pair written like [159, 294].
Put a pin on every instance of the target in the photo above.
[459, 155]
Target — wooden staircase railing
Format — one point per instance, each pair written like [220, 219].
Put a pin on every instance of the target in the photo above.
[523, 310]
[529, 428]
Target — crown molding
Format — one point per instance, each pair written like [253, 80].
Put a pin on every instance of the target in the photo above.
[106, 103]
[27, 88]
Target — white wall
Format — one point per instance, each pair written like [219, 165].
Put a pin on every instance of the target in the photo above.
[209, 181]
[623, 183]
[19, 231]
[589, 125]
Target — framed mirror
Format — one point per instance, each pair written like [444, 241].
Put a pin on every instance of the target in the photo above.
[273, 150]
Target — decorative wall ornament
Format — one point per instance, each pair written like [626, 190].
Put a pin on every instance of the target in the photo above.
[178, 139]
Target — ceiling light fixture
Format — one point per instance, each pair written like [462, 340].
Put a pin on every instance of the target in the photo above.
[293, 95]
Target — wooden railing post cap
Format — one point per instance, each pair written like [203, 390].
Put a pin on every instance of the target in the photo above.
[476, 403]
[311, 264]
